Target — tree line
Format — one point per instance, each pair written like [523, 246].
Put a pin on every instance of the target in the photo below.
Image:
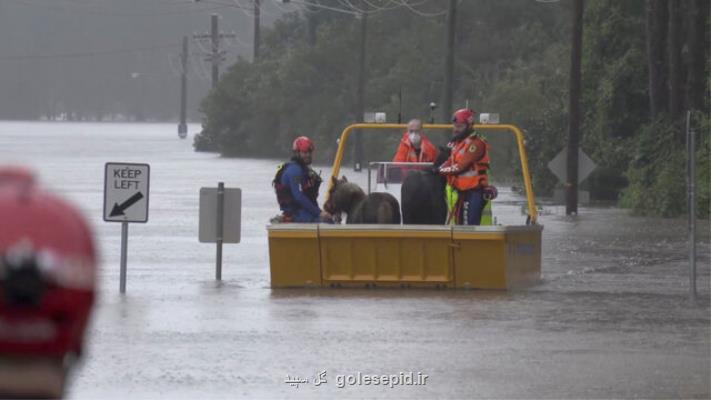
[644, 63]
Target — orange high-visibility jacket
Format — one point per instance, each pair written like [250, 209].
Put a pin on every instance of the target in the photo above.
[468, 164]
[406, 151]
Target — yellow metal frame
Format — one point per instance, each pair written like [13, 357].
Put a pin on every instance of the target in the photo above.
[442, 256]
[532, 210]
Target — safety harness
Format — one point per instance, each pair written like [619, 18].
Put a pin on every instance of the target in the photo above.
[309, 186]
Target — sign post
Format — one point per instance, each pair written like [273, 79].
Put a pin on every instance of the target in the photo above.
[124, 250]
[691, 199]
[219, 227]
[585, 166]
[220, 219]
[126, 189]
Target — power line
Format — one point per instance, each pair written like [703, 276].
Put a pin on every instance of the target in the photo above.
[234, 4]
[87, 54]
[99, 9]
[412, 8]
[317, 5]
[104, 4]
[278, 4]
[215, 56]
[347, 7]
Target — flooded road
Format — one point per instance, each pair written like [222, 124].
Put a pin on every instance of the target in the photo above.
[611, 317]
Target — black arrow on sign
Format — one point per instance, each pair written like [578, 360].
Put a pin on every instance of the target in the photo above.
[119, 209]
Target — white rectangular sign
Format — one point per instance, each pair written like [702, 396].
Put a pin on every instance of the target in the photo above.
[231, 215]
[126, 188]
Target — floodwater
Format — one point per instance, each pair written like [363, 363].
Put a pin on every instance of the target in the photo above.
[610, 319]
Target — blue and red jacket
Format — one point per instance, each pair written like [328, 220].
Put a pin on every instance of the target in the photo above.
[296, 187]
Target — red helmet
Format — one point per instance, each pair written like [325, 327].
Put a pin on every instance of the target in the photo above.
[302, 143]
[47, 271]
[463, 116]
[16, 175]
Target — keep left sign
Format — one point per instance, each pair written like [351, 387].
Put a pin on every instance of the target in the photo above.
[126, 187]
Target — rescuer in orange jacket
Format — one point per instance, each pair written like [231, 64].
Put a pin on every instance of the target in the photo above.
[414, 146]
[467, 168]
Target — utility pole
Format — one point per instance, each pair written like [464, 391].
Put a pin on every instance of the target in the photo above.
[183, 127]
[691, 199]
[449, 62]
[256, 29]
[360, 94]
[399, 111]
[312, 21]
[216, 55]
[571, 194]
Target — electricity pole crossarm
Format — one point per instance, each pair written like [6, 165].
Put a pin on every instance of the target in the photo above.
[216, 55]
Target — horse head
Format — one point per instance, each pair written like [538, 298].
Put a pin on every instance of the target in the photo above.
[342, 196]
[442, 156]
[329, 206]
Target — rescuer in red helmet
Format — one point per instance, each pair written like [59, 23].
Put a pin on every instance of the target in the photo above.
[466, 170]
[296, 186]
[47, 285]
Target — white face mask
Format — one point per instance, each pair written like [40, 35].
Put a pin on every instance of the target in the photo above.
[415, 138]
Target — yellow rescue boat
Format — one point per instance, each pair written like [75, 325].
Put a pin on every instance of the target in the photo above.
[468, 257]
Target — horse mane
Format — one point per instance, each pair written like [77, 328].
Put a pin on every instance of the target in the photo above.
[442, 155]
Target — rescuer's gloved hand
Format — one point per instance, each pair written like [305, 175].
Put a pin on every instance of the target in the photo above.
[490, 193]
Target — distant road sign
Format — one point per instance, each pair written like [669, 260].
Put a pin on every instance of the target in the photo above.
[126, 187]
[231, 215]
[558, 165]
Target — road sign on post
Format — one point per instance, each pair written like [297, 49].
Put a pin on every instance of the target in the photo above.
[220, 219]
[231, 215]
[126, 187]
[558, 165]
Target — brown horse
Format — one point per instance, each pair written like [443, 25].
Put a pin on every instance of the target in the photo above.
[375, 208]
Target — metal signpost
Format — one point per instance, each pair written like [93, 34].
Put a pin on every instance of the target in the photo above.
[220, 219]
[126, 189]
[557, 165]
[691, 199]
[586, 166]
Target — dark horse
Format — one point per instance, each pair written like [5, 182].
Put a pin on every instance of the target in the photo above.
[422, 195]
[375, 208]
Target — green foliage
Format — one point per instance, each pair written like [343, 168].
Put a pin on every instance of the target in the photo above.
[258, 108]
[512, 57]
[615, 102]
[296, 88]
[703, 180]
[532, 96]
[657, 175]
